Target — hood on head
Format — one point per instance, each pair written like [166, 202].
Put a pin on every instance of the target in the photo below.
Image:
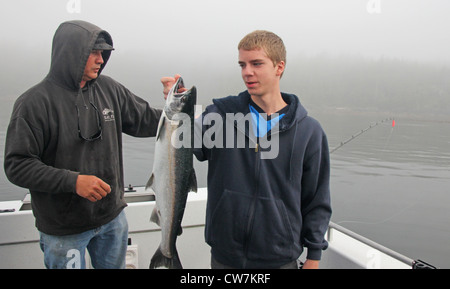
[72, 44]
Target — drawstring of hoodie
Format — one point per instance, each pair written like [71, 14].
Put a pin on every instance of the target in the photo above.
[91, 93]
[90, 97]
[80, 93]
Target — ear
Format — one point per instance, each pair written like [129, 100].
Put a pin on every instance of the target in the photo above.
[280, 66]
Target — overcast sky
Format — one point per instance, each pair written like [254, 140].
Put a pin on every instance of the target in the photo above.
[198, 38]
[406, 29]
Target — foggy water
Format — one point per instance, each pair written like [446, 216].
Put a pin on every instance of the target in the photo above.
[390, 184]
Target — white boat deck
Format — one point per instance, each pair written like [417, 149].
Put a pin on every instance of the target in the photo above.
[19, 241]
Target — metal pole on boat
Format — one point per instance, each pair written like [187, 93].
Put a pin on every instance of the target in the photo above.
[415, 264]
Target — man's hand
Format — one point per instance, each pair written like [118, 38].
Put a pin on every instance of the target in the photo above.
[168, 82]
[92, 188]
[311, 264]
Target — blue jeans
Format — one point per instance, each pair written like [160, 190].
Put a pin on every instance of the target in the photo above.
[107, 246]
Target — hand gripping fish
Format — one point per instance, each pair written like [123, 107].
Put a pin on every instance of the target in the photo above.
[173, 174]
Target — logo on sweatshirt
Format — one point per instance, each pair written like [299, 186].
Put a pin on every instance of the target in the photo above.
[108, 114]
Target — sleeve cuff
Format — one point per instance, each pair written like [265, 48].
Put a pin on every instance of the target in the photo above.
[314, 254]
[72, 181]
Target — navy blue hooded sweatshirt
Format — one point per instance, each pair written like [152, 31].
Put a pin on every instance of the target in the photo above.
[262, 211]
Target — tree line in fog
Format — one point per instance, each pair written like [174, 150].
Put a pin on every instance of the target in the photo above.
[382, 84]
[352, 82]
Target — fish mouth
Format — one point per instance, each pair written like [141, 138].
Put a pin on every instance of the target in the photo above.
[173, 93]
[180, 101]
[177, 86]
[182, 96]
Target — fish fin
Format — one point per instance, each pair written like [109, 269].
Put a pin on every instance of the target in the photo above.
[155, 217]
[160, 124]
[159, 260]
[150, 182]
[193, 181]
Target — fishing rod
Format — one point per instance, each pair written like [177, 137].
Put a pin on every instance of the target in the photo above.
[361, 132]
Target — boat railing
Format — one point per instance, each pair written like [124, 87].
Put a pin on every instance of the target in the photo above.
[415, 264]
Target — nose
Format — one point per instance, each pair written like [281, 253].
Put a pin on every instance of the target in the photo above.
[247, 70]
[99, 59]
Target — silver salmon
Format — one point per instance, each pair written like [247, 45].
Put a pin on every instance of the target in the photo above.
[173, 174]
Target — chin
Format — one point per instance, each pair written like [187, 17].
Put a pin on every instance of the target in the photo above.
[255, 92]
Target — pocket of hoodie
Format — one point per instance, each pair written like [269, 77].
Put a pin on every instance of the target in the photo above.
[228, 222]
[271, 235]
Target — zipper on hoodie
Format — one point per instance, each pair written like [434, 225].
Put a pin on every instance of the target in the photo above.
[252, 209]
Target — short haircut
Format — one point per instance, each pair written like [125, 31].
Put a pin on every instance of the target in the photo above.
[266, 40]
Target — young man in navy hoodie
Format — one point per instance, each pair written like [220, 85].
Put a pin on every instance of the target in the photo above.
[265, 203]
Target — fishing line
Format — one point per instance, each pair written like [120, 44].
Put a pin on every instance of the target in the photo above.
[361, 132]
[385, 145]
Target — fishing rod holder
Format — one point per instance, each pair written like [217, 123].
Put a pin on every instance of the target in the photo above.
[419, 264]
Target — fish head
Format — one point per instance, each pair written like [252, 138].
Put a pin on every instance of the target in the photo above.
[180, 102]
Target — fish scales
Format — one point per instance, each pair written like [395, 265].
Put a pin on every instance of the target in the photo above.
[173, 175]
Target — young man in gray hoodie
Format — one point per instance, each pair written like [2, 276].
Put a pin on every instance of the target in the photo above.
[64, 143]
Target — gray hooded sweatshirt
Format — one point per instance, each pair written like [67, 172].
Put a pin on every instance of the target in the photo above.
[44, 151]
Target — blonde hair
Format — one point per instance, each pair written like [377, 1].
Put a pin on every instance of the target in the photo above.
[266, 40]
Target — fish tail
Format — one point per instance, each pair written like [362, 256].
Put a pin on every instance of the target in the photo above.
[159, 260]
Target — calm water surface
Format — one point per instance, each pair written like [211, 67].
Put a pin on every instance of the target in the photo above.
[390, 184]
